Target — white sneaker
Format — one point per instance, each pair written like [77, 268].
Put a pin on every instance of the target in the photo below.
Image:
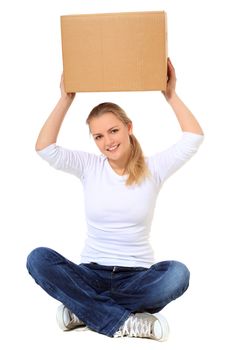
[144, 325]
[66, 319]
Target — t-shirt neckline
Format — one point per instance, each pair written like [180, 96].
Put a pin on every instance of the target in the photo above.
[121, 177]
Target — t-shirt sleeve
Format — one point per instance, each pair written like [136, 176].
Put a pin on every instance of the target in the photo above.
[71, 161]
[165, 163]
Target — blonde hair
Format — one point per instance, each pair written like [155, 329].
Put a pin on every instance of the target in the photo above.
[136, 168]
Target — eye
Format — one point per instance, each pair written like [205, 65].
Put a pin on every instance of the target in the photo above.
[113, 131]
[97, 137]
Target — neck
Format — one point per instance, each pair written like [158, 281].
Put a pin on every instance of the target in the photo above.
[119, 166]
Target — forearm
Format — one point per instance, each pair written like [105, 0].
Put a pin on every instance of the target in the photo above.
[51, 127]
[184, 116]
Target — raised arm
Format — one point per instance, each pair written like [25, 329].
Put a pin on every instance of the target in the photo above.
[49, 132]
[184, 116]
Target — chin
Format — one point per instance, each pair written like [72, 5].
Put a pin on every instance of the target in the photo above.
[113, 157]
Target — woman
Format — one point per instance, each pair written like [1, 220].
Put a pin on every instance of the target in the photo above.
[117, 289]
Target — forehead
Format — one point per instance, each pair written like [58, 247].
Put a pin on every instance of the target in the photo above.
[103, 123]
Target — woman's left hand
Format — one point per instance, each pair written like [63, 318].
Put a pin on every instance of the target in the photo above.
[171, 81]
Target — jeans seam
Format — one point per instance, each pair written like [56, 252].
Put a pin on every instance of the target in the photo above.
[115, 328]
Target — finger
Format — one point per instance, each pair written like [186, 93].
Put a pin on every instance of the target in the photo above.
[61, 80]
[171, 72]
[169, 62]
[171, 69]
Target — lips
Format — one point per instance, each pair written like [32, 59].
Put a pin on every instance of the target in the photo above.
[113, 148]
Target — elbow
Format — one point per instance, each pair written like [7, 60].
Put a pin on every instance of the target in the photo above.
[200, 131]
[40, 146]
[37, 149]
[197, 131]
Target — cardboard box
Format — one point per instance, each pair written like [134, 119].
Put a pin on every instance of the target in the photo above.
[114, 51]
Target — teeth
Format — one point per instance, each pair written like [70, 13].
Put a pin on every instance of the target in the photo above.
[112, 148]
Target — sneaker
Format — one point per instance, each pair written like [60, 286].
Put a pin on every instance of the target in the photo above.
[144, 325]
[67, 320]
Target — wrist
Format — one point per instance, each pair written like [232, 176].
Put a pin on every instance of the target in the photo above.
[66, 99]
[172, 98]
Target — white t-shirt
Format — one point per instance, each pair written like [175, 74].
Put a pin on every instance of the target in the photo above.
[119, 217]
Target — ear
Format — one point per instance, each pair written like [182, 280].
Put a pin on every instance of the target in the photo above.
[130, 128]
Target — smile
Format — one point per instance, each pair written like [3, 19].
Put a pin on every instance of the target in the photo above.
[113, 148]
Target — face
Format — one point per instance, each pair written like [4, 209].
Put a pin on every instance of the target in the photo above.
[111, 136]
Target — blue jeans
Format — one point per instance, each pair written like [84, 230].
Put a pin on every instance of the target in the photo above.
[103, 297]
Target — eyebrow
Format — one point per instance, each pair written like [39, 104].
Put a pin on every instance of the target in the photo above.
[107, 130]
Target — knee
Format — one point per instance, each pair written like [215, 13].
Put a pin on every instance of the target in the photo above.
[37, 259]
[180, 276]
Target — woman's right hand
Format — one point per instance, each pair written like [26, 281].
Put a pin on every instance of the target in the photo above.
[49, 131]
[69, 95]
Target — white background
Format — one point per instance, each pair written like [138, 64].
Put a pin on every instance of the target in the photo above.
[40, 206]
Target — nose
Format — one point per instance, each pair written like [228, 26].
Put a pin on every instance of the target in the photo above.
[108, 140]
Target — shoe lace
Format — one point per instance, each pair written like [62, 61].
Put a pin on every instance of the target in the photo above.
[136, 327]
[73, 318]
